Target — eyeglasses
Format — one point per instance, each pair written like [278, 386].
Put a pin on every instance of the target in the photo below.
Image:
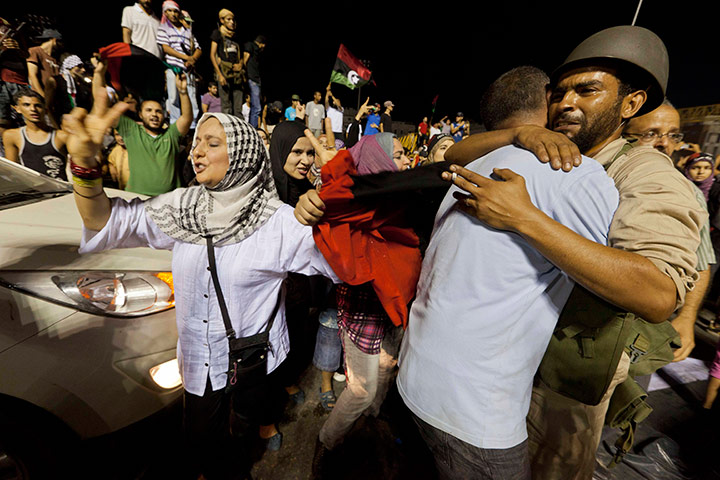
[652, 136]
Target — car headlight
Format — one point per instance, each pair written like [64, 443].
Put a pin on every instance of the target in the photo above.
[109, 293]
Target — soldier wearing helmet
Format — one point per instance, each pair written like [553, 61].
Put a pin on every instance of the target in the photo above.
[609, 78]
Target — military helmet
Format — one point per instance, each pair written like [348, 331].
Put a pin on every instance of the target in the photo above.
[637, 46]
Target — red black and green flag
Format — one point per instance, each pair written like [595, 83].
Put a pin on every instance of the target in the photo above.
[134, 70]
[349, 71]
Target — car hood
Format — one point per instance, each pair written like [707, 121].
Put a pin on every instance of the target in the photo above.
[45, 235]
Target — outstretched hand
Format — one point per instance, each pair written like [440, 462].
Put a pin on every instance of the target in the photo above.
[549, 146]
[87, 130]
[503, 205]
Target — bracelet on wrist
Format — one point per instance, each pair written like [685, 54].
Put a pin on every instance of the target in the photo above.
[88, 196]
[84, 172]
[86, 182]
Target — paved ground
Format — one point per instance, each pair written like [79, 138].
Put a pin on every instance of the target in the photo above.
[677, 442]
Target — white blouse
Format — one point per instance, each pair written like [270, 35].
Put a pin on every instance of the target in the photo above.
[250, 272]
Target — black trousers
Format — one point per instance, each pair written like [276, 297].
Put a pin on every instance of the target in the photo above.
[210, 446]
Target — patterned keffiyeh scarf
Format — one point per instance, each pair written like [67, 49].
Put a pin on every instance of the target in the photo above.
[232, 210]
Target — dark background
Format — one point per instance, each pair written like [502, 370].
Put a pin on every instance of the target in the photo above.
[452, 49]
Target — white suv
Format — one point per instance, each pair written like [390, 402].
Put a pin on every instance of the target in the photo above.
[87, 342]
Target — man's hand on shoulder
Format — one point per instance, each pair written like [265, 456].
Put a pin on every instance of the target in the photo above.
[548, 146]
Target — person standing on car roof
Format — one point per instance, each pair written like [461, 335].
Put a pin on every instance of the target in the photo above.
[36, 145]
[257, 242]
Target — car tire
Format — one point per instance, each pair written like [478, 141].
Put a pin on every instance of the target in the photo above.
[33, 447]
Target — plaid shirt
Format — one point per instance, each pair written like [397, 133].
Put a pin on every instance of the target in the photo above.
[361, 314]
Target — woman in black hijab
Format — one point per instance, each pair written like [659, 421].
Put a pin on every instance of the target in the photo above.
[291, 156]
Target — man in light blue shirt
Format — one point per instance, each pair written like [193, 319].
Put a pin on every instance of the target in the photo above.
[486, 306]
[291, 111]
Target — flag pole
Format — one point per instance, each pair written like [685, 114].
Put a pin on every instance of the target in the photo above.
[636, 12]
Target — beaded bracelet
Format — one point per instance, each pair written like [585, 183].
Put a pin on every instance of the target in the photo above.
[85, 173]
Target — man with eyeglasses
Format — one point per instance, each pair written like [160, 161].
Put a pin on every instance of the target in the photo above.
[661, 129]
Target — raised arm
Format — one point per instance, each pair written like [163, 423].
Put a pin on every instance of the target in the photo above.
[186, 112]
[84, 141]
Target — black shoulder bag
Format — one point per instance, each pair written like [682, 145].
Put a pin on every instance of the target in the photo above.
[248, 355]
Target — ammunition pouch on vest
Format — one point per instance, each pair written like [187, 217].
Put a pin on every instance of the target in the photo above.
[584, 353]
[585, 348]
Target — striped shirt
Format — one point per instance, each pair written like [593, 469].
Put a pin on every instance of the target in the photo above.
[705, 252]
[179, 39]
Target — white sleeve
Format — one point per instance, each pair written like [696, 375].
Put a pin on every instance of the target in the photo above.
[127, 227]
[126, 22]
[298, 252]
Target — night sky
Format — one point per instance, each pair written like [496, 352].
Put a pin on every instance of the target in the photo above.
[454, 50]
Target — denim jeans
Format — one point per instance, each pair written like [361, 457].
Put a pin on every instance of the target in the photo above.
[173, 100]
[254, 102]
[456, 459]
[328, 348]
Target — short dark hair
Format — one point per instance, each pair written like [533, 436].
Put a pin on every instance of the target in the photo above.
[261, 39]
[212, 83]
[26, 92]
[145, 100]
[518, 91]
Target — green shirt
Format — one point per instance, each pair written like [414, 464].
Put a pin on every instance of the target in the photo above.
[152, 159]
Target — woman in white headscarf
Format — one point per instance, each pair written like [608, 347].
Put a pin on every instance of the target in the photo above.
[257, 241]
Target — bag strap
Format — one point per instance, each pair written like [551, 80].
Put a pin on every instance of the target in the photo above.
[626, 410]
[230, 332]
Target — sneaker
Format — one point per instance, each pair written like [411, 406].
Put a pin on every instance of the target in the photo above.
[339, 377]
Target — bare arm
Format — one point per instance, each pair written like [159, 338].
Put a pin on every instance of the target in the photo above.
[168, 50]
[127, 35]
[613, 274]
[34, 78]
[10, 141]
[216, 66]
[186, 116]
[547, 145]
[684, 323]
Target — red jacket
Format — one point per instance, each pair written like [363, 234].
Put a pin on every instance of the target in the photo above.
[367, 243]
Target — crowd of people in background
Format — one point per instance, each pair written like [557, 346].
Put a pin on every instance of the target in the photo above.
[355, 332]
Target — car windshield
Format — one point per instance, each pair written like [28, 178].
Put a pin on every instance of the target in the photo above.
[20, 185]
